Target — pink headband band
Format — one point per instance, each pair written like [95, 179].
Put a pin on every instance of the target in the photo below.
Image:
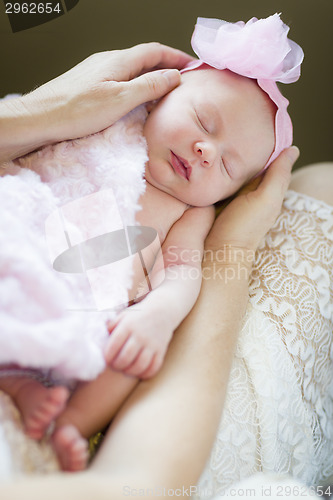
[259, 49]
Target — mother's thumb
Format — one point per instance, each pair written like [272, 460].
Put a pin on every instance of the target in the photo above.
[277, 177]
[153, 85]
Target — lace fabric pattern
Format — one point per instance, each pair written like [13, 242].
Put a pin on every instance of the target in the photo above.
[278, 415]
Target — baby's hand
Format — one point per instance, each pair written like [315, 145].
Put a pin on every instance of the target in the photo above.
[138, 341]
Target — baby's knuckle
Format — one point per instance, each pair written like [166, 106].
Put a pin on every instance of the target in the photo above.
[142, 364]
[138, 338]
[146, 374]
[116, 365]
[155, 368]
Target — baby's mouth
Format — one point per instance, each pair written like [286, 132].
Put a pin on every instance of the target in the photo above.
[181, 166]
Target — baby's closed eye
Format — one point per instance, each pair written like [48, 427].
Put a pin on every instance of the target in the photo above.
[202, 121]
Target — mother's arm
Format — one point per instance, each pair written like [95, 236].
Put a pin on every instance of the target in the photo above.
[87, 98]
[163, 434]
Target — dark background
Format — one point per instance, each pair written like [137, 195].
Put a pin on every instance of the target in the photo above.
[31, 57]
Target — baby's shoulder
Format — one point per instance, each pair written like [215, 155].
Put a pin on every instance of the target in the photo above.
[196, 220]
[159, 210]
[199, 215]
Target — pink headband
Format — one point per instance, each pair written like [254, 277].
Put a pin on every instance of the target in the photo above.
[259, 49]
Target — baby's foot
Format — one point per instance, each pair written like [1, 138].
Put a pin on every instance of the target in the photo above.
[70, 447]
[39, 406]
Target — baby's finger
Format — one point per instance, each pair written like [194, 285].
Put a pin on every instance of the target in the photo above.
[126, 355]
[153, 368]
[140, 364]
[112, 323]
[116, 341]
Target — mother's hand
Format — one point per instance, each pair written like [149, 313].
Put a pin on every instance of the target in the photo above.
[89, 97]
[105, 86]
[247, 218]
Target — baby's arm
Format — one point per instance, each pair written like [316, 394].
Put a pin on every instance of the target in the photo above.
[140, 335]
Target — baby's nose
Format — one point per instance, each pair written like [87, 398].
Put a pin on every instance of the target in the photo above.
[205, 153]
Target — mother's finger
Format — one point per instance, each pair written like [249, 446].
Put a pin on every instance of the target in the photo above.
[148, 87]
[277, 178]
[153, 55]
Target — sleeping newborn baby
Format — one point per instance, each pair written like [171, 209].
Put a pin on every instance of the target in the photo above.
[224, 124]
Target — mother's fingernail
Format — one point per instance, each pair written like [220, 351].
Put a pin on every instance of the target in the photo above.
[293, 153]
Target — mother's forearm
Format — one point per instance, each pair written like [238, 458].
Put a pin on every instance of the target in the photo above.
[206, 344]
[164, 433]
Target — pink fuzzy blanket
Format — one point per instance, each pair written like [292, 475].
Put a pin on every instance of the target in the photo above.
[48, 319]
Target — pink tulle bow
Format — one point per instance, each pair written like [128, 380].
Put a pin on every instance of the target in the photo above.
[257, 49]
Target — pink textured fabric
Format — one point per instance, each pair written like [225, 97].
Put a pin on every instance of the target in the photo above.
[259, 49]
[48, 319]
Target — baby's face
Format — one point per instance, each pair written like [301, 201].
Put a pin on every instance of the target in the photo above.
[209, 136]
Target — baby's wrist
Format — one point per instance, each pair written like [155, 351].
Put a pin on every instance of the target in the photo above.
[156, 307]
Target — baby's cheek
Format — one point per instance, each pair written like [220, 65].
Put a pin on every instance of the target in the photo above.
[176, 136]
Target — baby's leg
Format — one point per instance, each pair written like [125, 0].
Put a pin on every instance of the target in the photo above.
[38, 405]
[90, 409]
[315, 180]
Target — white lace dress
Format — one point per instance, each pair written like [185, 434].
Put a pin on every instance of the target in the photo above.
[278, 415]
[279, 410]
